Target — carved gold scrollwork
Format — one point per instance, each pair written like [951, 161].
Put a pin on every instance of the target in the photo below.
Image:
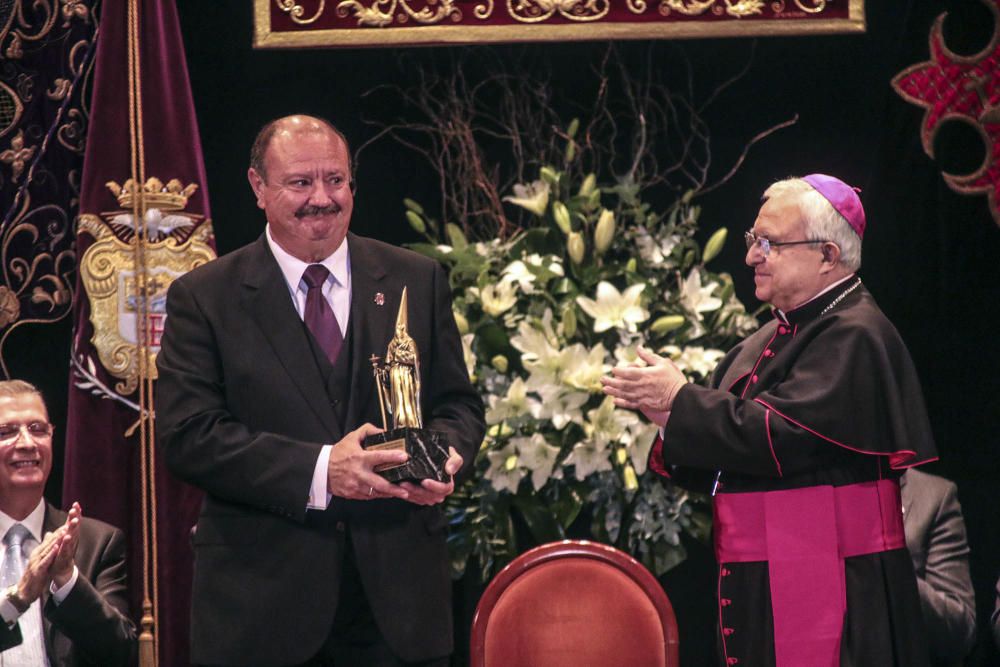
[686, 7]
[426, 15]
[536, 11]
[820, 6]
[483, 11]
[371, 15]
[295, 11]
[637, 6]
[744, 7]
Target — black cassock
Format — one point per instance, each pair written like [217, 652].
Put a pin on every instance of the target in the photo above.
[821, 402]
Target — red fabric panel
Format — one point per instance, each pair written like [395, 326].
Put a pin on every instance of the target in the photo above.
[574, 612]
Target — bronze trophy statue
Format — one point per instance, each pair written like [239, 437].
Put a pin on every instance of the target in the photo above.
[397, 383]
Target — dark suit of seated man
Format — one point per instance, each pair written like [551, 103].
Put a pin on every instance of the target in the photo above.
[935, 537]
[64, 597]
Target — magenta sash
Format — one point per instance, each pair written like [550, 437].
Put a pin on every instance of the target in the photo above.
[805, 535]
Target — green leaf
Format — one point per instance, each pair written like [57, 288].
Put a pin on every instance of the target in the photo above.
[493, 340]
[431, 250]
[667, 557]
[539, 518]
[567, 506]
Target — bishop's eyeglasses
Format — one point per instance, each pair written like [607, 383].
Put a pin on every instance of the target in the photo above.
[766, 244]
[36, 430]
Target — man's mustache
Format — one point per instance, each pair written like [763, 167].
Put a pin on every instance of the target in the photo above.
[309, 211]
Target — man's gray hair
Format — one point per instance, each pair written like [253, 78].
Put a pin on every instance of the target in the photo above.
[822, 221]
[13, 388]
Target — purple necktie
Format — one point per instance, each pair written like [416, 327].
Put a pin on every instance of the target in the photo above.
[319, 316]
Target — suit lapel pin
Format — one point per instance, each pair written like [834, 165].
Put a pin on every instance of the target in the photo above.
[379, 299]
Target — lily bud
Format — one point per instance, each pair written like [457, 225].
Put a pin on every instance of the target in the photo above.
[714, 245]
[413, 206]
[621, 455]
[569, 323]
[576, 247]
[667, 323]
[500, 363]
[570, 151]
[510, 463]
[604, 232]
[461, 323]
[416, 222]
[456, 236]
[631, 265]
[588, 185]
[631, 482]
[574, 125]
[549, 175]
[561, 215]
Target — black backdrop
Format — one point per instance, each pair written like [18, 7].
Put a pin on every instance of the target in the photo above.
[931, 257]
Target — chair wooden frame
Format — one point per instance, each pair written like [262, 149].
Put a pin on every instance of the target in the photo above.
[573, 549]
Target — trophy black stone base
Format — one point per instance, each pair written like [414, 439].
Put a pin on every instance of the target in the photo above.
[428, 452]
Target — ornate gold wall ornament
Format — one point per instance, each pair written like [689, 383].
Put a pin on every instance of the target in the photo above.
[352, 23]
[295, 11]
[17, 155]
[748, 8]
[952, 87]
[113, 287]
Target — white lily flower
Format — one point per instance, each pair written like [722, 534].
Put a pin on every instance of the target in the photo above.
[532, 196]
[583, 369]
[614, 309]
[607, 424]
[537, 346]
[589, 457]
[511, 406]
[498, 299]
[628, 354]
[641, 436]
[468, 354]
[505, 472]
[538, 456]
[444, 249]
[694, 358]
[518, 273]
[698, 299]
[558, 406]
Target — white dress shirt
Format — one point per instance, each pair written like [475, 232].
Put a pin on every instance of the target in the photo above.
[337, 291]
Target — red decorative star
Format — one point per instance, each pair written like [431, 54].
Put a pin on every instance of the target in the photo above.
[963, 88]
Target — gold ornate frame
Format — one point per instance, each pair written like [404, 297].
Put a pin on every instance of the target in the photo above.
[426, 27]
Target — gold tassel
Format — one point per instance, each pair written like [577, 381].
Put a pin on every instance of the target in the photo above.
[147, 645]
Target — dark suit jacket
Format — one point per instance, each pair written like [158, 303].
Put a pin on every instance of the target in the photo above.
[91, 626]
[243, 409]
[935, 537]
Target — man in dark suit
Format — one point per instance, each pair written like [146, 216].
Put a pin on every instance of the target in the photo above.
[69, 604]
[935, 537]
[303, 554]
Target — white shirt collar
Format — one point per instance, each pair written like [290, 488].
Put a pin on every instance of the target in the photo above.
[32, 522]
[339, 263]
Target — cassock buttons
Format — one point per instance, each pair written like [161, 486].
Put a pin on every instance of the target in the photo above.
[725, 602]
[768, 353]
[754, 379]
[782, 330]
[728, 631]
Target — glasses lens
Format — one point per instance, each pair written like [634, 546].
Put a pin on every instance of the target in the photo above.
[40, 429]
[9, 431]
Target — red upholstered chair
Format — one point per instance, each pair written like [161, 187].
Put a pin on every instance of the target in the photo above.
[574, 604]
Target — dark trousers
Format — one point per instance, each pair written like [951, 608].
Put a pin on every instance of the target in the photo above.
[355, 639]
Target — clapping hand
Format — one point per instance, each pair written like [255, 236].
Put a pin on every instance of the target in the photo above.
[650, 387]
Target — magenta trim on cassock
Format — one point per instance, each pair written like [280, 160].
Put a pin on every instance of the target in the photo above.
[804, 535]
[897, 459]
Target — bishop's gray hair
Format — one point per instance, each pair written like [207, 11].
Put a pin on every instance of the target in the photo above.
[821, 219]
